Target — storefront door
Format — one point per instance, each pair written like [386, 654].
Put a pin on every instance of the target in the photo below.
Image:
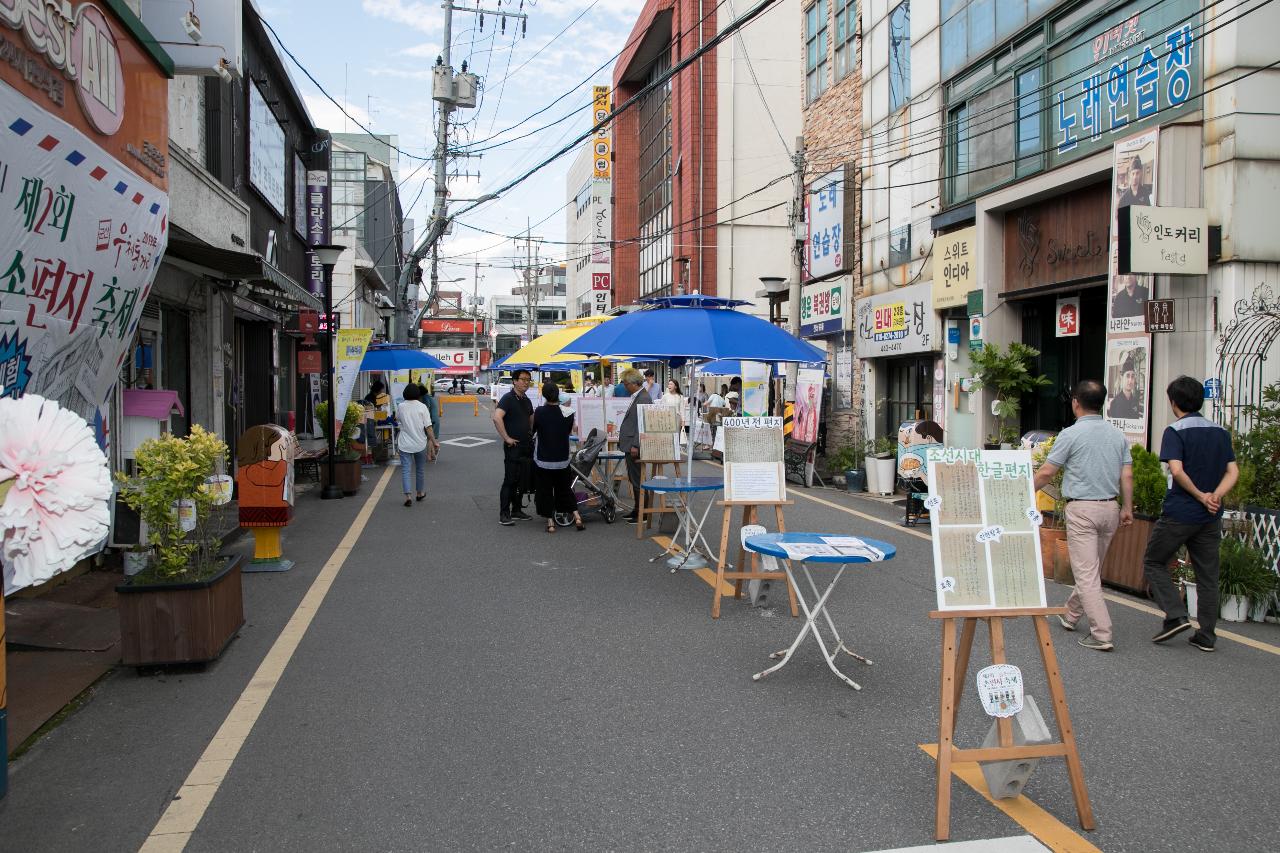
[1065, 361]
[909, 391]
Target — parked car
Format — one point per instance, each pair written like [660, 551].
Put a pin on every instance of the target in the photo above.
[444, 385]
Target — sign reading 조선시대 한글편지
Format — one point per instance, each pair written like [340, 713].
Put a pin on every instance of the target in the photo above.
[897, 322]
[823, 307]
[1133, 68]
[1163, 240]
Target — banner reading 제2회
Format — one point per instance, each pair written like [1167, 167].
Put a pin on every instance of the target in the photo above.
[81, 232]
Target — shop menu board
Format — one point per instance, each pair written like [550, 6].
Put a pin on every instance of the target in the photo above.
[986, 530]
[753, 460]
[659, 433]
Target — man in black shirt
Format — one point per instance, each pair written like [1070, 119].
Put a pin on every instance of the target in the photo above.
[1135, 191]
[1130, 299]
[513, 419]
[1127, 404]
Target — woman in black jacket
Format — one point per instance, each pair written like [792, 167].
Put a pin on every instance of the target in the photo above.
[553, 479]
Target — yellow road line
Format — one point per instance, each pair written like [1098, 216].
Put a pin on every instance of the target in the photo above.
[708, 575]
[180, 819]
[1051, 832]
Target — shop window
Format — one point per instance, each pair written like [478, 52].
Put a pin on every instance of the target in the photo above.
[899, 213]
[1030, 122]
[899, 56]
[815, 51]
[846, 33]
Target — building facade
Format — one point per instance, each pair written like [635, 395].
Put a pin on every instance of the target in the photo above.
[589, 226]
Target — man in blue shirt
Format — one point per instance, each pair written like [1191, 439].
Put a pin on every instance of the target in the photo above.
[1203, 469]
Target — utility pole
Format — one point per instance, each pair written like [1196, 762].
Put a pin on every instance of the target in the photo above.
[475, 318]
[797, 256]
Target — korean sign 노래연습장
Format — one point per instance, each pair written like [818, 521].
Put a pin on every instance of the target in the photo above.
[986, 529]
[827, 226]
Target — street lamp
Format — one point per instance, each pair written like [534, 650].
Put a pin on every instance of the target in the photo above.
[328, 256]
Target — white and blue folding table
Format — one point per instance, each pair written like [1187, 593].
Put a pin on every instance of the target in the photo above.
[824, 550]
[695, 547]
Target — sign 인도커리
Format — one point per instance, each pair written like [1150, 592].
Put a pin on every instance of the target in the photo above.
[1160, 316]
[1162, 240]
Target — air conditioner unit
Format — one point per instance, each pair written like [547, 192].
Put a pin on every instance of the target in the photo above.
[442, 83]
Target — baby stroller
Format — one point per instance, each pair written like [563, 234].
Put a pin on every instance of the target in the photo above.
[589, 494]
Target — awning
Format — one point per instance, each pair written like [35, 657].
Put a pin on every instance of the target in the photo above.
[242, 266]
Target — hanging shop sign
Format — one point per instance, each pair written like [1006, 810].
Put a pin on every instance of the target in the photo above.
[1163, 240]
[81, 238]
[266, 151]
[975, 333]
[1137, 66]
[1059, 240]
[823, 308]
[457, 327]
[955, 267]
[317, 201]
[456, 357]
[898, 322]
[1160, 316]
[601, 144]
[829, 226]
[1067, 323]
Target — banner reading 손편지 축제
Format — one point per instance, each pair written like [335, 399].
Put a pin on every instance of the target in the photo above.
[81, 238]
[349, 347]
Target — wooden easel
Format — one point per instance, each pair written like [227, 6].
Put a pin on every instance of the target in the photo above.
[645, 513]
[750, 515]
[955, 665]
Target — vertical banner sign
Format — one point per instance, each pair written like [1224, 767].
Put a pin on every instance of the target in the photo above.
[825, 222]
[1128, 356]
[351, 344]
[955, 267]
[808, 406]
[315, 391]
[601, 146]
[317, 225]
[80, 245]
[755, 389]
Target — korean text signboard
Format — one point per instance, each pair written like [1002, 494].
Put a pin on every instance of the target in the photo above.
[1135, 67]
[898, 322]
[828, 227]
[986, 529]
[266, 151]
[317, 225]
[601, 144]
[823, 307]
[1160, 317]
[955, 268]
[80, 245]
[1168, 240]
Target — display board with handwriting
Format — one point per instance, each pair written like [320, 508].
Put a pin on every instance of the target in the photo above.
[659, 433]
[753, 460]
[986, 529]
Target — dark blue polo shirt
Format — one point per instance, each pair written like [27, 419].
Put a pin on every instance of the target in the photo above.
[1204, 449]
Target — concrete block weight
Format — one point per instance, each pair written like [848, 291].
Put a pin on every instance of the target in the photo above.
[1006, 779]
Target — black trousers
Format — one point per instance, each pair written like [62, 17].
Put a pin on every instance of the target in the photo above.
[1202, 541]
[553, 491]
[516, 462]
[633, 476]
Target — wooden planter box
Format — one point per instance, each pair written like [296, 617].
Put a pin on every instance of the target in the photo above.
[346, 472]
[1049, 537]
[1123, 566]
[181, 622]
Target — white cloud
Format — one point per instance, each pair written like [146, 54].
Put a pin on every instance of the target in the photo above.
[423, 17]
[327, 115]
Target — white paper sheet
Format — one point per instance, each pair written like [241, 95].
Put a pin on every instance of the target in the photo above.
[756, 481]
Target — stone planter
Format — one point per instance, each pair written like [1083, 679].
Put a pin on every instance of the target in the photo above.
[177, 623]
[346, 473]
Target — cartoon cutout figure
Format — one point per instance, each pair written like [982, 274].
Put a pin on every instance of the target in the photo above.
[264, 477]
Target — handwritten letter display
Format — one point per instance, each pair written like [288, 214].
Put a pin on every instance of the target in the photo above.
[753, 459]
[986, 549]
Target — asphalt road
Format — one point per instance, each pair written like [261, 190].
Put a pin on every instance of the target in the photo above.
[466, 686]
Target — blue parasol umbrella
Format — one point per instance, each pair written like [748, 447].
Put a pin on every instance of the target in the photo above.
[699, 328]
[390, 357]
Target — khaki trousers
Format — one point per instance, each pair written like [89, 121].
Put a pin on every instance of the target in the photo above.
[1090, 526]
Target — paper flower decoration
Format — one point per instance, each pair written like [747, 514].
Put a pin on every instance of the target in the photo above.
[54, 489]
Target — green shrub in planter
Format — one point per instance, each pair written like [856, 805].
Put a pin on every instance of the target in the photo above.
[1243, 571]
[1149, 482]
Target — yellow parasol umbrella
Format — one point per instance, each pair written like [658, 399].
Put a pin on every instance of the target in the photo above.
[545, 349]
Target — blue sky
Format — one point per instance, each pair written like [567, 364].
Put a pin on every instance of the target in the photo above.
[376, 56]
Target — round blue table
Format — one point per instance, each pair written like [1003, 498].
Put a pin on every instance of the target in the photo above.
[823, 549]
[684, 489]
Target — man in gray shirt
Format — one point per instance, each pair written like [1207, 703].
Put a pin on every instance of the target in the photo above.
[1096, 464]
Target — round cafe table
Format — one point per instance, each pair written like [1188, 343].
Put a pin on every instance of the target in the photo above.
[690, 523]
[821, 550]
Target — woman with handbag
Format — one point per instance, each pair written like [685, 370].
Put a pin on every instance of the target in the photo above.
[553, 479]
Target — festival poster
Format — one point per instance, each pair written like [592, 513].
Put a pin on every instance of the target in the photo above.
[349, 346]
[81, 242]
[808, 405]
[1128, 380]
[986, 529]
[755, 388]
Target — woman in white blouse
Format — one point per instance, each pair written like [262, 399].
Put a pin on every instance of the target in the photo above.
[672, 397]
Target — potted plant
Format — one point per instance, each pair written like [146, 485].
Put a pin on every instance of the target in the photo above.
[347, 463]
[1122, 566]
[1007, 374]
[1244, 578]
[883, 466]
[186, 606]
[850, 460]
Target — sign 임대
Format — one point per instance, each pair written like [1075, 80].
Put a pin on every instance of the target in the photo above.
[823, 307]
[954, 267]
[897, 322]
[1163, 240]
[1067, 324]
[1136, 66]
[827, 226]
[266, 151]
[1160, 317]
